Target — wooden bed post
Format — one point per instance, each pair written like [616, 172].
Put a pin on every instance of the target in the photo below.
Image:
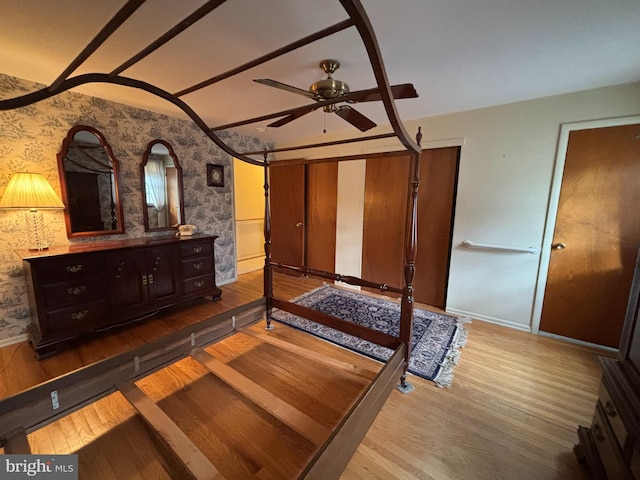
[411, 247]
[268, 270]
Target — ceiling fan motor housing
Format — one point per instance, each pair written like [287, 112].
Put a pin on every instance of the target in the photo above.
[329, 87]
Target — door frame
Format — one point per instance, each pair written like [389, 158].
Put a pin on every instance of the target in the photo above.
[552, 206]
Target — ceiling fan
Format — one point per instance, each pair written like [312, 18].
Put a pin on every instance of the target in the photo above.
[330, 88]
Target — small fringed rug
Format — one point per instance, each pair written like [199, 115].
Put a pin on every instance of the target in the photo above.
[436, 340]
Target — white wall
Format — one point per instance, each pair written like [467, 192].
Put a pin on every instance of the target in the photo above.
[506, 169]
[350, 217]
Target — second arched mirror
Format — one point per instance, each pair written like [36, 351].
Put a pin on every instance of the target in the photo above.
[162, 196]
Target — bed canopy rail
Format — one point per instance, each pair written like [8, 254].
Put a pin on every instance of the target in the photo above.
[351, 280]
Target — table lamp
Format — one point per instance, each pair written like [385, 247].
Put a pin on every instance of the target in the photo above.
[31, 191]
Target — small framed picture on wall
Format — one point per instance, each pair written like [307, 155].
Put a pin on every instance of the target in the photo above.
[215, 175]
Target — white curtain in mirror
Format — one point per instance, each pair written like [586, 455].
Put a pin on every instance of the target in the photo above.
[155, 176]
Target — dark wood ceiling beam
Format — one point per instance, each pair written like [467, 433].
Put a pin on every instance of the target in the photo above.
[118, 19]
[323, 144]
[338, 27]
[169, 35]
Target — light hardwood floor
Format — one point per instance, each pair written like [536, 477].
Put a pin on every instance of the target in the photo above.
[511, 413]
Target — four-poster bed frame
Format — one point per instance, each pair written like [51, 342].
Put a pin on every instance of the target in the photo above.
[31, 409]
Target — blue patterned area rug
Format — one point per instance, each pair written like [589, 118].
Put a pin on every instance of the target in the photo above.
[436, 342]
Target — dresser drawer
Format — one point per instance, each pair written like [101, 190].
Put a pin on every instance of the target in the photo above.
[196, 249]
[69, 269]
[197, 284]
[81, 317]
[613, 416]
[608, 447]
[80, 291]
[196, 266]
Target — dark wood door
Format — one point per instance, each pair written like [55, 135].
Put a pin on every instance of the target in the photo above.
[287, 200]
[597, 235]
[322, 208]
[84, 202]
[162, 281]
[385, 203]
[436, 207]
[386, 190]
[138, 278]
[127, 288]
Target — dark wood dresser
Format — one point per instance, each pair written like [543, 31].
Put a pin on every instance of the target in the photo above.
[611, 446]
[80, 288]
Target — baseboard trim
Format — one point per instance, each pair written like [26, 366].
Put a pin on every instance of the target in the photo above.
[5, 342]
[485, 318]
[225, 282]
[578, 342]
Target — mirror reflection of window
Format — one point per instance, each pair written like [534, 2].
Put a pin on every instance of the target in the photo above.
[157, 186]
[163, 201]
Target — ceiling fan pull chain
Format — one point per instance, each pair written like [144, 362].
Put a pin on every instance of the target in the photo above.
[324, 122]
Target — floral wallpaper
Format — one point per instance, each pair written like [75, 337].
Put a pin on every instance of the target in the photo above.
[30, 138]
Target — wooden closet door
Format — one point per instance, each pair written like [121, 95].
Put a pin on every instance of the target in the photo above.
[287, 200]
[322, 208]
[386, 190]
[385, 203]
[436, 207]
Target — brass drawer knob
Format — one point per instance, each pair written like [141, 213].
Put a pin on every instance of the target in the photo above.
[79, 315]
[76, 290]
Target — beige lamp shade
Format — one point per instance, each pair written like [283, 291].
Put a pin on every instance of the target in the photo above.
[30, 190]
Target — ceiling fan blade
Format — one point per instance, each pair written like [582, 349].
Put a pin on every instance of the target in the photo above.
[355, 118]
[405, 90]
[289, 118]
[283, 86]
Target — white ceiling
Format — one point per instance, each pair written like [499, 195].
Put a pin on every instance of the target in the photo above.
[459, 54]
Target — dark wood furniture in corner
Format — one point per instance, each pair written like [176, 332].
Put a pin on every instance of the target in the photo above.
[75, 289]
[611, 446]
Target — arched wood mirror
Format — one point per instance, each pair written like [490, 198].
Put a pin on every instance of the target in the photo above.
[89, 181]
[162, 195]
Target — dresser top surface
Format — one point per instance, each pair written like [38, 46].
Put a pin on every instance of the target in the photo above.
[88, 247]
